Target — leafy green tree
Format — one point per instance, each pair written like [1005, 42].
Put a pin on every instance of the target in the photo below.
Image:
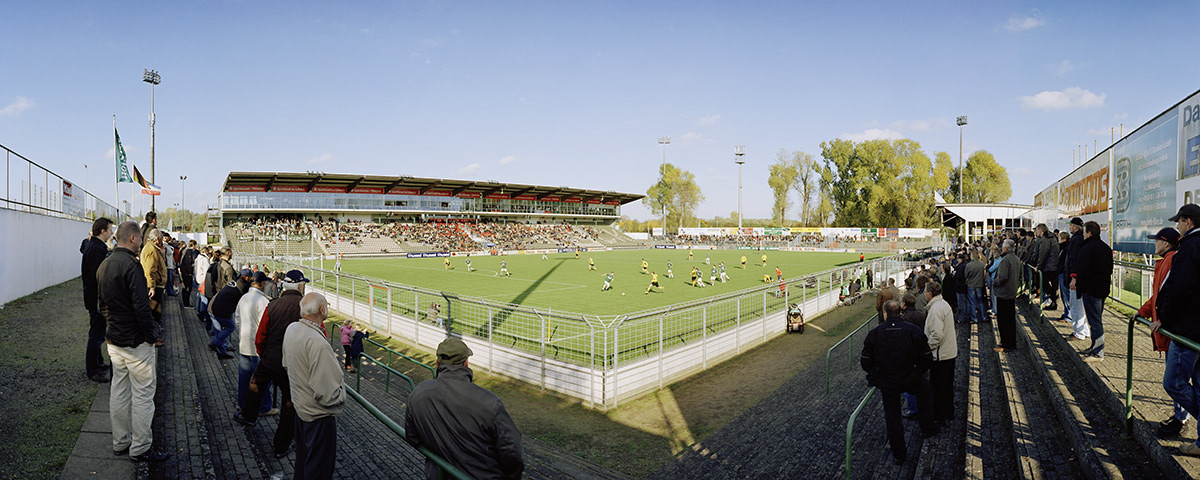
[781, 178]
[944, 174]
[808, 175]
[677, 193]
[984, 180]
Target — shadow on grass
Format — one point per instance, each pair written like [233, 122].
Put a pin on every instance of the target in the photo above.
[500, 317]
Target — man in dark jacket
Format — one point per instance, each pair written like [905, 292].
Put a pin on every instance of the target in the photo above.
[1074, 311]
[896, 356]
[1047, 263]
[463, 422]
[1176, 307]
[223, 305]
[280, 313]
[124, 301]
[976, 273]
[187, 265]
[94, 250]
[1091, 278]
[1008, 275]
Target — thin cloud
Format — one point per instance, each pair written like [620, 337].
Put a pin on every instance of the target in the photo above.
[507, 160]
[1017, 23]
[468, 170]
[1022, 171]
[920, 125]
[1073, 97]
[873, 134]
[20, 105]
[708, 120]
[321, 159]
[692, 137]
[1064, 67]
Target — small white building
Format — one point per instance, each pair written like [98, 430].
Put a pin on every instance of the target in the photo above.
[977, 220]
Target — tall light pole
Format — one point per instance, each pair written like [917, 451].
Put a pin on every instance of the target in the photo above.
[85, 177]
[151, 77]
[664, 141]
[738, 152]
[962, 120]
[182, 198]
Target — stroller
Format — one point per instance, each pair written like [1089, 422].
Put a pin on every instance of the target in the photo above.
[795, 319]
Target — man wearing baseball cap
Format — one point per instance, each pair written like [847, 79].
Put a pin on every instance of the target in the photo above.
[1073, 307]
[280, 313]
[1165, 242]
[1176, 309]
[462, 422]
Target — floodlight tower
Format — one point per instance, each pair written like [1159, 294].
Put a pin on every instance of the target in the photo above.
[664, 141]
[962, 120]
[151, 77]
[182, 198]
[739, 151]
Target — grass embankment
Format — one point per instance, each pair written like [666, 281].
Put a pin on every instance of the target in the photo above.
[44, 395]
[641, 435]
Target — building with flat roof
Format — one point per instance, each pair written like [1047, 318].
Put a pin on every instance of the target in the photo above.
[377, 198]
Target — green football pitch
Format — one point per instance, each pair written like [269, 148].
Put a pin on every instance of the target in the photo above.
[564, 283]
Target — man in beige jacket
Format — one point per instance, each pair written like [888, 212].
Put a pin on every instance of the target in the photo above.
[154, 264]
[318, 391]
[943, 342]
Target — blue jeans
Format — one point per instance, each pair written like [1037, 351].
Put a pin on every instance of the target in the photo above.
[976, 312]
[1094, 308]
[964, 308]
[990, 283]
[171, 281]
[1179, 379]
[223, 334]
[246, 366]
[1064, 292]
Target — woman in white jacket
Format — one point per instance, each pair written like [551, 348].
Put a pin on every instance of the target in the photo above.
[199, 271]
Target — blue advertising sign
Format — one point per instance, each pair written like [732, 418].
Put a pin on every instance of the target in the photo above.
[1144, 183]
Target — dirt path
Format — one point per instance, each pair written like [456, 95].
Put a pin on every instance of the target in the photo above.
[44, 395]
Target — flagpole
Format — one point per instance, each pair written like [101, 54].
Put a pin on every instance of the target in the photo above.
[117, 167]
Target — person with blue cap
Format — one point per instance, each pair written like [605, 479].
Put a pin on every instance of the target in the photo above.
[1175, 305]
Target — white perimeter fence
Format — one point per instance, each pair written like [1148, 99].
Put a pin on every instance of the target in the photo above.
[600, 360]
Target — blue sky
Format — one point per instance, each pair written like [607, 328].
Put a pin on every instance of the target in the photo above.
[577, 93]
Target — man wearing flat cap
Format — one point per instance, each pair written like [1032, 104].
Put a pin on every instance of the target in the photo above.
[1165, 242]
[1177, 311]
[462, 422]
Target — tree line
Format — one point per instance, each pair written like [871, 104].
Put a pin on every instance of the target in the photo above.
[872, 183]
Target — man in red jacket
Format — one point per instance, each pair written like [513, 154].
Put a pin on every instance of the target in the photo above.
[1165, 242]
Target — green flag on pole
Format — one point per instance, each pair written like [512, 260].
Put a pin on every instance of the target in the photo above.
[122, 163]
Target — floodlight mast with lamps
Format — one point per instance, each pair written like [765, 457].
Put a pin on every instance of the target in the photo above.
[739, 151]
[151, 77]
[962, 120]
[182, 198]
[662, 203]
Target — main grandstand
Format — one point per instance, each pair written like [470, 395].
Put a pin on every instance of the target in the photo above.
[355, 215]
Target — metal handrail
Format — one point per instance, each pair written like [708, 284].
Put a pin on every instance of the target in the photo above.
[1129, 363]
[386, 380]
[444, 467]
[850, 426]
[432, 371]
[849, 337]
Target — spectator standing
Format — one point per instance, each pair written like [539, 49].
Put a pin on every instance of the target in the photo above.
[223, 307]
[347, 331]
[250, 308]
[154, 266]
[200, 277]
[1047, 263]
[187, 272]
[150, 223]
[1165, 242]
[318, 390]
[280, 313]
[168, 250]
[1078, 317]
[462, 422]
[960, 289]
[886, 292]
[975, 272]
[1008, 276]
[943, 342]
[94, 250]
[896, 356]
[1091, 278]
[124, 301]
[1176, 307]
[1064, 287]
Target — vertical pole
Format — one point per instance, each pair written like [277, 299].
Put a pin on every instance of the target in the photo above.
[660, 349]
[616, 359]
[592, 365]
[737, 337]
[704, 337]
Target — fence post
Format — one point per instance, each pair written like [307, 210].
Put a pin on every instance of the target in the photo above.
[737, 336]
[492, 344]
[543, 325]
[616, 359]
[704, 337]
[660, 349]
[353, 299]
[416, 316]
[389, 311]
[592, 365]
[764, 316]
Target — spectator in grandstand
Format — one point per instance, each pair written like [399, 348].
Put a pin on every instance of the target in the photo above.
[280, 313]
[975, 272]
[94, 250]
[1091, 277]
[154, 267]
[943, 342]
[250, 309]
[462, 422]
[1047, 263]
[1077, 315]
[1165, 242]
[187, 271]
[1176, 308]
[1008, 276]
[123, 299]
[896, 356]
[318, 389]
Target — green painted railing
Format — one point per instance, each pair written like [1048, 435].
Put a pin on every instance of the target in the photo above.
[445, 469]
[1133, 320]
[334, 337]
[850, 426]
[850, 349]
[387, 380]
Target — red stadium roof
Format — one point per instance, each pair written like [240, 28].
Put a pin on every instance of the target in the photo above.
[405, 185]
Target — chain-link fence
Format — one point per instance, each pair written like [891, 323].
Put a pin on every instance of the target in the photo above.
[601, 359]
